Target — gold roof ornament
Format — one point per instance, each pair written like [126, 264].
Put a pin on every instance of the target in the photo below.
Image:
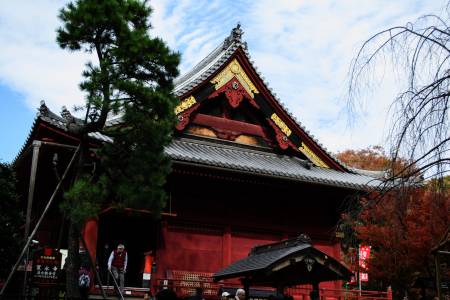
[312, 156]
[234, 69]
[185, 104]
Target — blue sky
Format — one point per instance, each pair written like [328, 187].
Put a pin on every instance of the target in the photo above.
[15, 122]
[302, 48]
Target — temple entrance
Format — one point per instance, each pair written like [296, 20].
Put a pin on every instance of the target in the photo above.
[136, 230]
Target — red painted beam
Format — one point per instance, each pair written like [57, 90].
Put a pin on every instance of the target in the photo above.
[227, 124]
[142, 211]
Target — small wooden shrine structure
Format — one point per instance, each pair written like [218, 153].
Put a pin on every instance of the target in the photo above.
[284, 264]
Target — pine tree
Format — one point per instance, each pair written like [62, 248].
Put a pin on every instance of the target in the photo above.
[10, 219]
[132, 79]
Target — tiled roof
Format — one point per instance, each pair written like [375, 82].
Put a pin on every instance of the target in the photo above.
[383, 174]
[216, 59]
[62, 122]
[259, 261]
[188, 82]
[211, 63]
[266, 260]
[232, 156]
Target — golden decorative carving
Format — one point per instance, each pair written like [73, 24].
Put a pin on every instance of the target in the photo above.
[312, 156]
[283, 127]
[185, 104]
[247, 139]
[201, 131]
[234, 69]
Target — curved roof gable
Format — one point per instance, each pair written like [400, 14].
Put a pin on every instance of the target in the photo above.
[229, 67]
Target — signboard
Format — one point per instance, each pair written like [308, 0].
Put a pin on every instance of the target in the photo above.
[340, 234]
[364, 254]
[46, 266]
[364, 277]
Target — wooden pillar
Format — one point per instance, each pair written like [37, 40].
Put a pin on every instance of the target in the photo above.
[90, 235]
[315, 292]
[280, 290]
[226, 247]
[34, 163]
[164, 232]
[161, 253]
[338, 257]
[246, 284]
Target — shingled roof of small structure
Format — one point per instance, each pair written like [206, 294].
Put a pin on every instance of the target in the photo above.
[216, 59]
[265, 260]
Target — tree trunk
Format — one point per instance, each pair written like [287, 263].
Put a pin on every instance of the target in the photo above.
[72, 263]
[73, 239]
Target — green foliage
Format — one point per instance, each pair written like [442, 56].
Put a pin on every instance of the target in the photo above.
[137, 162]
[10, 220]
[133, 79]
[134, 69]
[83, 199]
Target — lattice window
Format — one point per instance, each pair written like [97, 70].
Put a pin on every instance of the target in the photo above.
[185, 283]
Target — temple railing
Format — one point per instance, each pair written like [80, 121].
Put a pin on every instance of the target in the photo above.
[302, 293]
[185, 283]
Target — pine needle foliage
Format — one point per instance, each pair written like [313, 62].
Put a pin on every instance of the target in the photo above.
[10, 219]
[131, 79]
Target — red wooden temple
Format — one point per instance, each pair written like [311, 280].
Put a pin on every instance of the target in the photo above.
[245, 172]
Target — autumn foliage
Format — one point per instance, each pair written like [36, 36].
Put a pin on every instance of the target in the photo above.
[402, 230]
[402, 226]
[372, 158]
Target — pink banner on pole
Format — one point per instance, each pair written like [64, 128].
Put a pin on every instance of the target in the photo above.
[364, 254]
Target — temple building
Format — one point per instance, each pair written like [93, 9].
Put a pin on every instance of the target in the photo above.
[245, 172]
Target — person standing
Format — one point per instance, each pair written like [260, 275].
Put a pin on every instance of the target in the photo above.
[117, 264]
[240, 294]
[224, 296]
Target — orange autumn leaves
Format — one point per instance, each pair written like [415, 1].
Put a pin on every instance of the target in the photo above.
[402, 226]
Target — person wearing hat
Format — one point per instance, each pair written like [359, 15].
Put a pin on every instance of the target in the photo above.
[225, 296]
[117, 264]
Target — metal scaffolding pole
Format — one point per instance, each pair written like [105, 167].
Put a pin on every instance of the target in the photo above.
[33, 233]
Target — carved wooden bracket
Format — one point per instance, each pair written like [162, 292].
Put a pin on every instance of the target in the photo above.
[235, 93]
[183, 118]
[226, 134]
[283, 141]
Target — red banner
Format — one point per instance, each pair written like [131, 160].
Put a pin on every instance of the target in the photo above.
[364, 254]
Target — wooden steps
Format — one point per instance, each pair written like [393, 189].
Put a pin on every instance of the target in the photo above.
[129, 293]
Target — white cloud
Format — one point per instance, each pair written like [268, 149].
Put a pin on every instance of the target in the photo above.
[30, 60]
[306, 51]
[303, 48]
